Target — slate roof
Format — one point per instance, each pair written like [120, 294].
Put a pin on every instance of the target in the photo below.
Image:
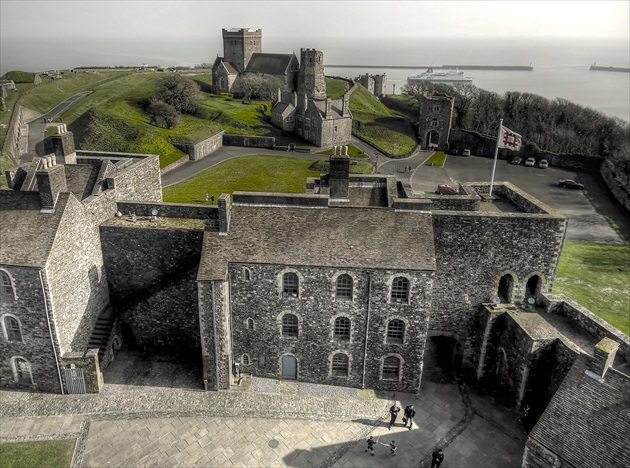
[335, 108]
[81, 178]
[587, 422]
[329, 237]
[26, 235]
[228, 66]
[269, 64]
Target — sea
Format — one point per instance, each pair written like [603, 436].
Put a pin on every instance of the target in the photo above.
[561, 66]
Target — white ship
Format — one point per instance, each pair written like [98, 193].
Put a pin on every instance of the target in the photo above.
[449, 76]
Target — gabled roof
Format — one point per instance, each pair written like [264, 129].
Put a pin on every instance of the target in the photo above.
[328, 237]
[587, 422]
[26, 235]
[269, 64]
[221, 62]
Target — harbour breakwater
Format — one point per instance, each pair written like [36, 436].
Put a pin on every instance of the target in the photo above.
[447, 67]
[612, 69]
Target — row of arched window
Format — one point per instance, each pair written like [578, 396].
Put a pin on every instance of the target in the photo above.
[11, 328]
[342, 326]
[344, 286]
[7, 291]
[21, 370]
[391, 366]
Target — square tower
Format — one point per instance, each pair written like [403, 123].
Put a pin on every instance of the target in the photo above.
[240, 44]
[311, 80]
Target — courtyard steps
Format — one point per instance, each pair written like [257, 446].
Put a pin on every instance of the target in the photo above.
[101, 333]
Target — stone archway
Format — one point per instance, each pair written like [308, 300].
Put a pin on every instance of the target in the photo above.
[432, 139]
[442, 357]
[532, 289]
[505, 289]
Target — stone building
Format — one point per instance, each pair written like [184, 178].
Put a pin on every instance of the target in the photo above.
[242, 55]
[308, 112]
[375, 84]
[358, 282]
[434, 124]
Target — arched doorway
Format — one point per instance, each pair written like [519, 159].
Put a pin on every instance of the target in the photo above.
[532, 289]
[442, 358]
[506, 285]
[432, 139]
[289, 367]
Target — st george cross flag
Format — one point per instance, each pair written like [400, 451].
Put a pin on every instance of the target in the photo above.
[509, 139]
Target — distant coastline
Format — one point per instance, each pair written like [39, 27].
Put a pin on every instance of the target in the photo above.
[448, 67]
[611, 69]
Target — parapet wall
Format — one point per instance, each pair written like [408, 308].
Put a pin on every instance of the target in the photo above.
[249, 141]
[170, 210]
[280, 199]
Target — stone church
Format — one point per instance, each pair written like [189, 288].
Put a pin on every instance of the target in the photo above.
[358, 282]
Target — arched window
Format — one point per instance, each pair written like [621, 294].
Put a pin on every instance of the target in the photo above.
[344, 288]
[506, 284]
[245, 359]
[289, 325]
[391, 368]
[395, 331]
[12, 329]
[400, 289]
[290, 285]
[342, 328]
[533, 287]
[6, 285]
[340, 365]
[247, 274]
[22, 371]
[250, 324]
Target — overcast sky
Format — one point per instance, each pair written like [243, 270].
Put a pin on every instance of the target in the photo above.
[386, 18]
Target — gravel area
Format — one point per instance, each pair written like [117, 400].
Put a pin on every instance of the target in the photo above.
[264, 385]
[327, 391]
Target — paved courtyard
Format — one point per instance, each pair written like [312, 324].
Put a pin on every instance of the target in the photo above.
[269, 423]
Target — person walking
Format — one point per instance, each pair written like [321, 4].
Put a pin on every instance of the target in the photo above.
[410, 413]
[437, 458]
[393, 411]
[370, 445]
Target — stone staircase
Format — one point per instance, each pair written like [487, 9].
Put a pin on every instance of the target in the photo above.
[101, 333]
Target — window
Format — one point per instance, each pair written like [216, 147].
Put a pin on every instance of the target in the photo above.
[434, 123]
[395, 332]
[245, 359]
[436, 108]
[247, 274]
[250, 324]
[340, 365]
[22, 370]
[342, 328]
[6, 285]
[391, 368]
[400, 289]
[290, 285]
[12, 329]
[289, 325]
[344, 288]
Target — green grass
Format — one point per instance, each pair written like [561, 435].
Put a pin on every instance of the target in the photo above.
[598, 277]
[19, 76]
[336, 88]
[380, 126]
[436, 159]
[356, 167]
[49, 454]
[260, 173]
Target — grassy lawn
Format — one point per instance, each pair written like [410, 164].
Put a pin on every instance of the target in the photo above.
[598, 277]
[436, 159]
[251, 173]
[380, 126]
[50, 454]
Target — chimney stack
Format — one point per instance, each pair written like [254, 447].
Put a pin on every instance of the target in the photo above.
[51, 180]
[63, 145]
[603, 357]
[225, 213]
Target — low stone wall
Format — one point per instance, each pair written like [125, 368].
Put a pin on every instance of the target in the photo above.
[170, 210]
[280, 199]
[203, 148]
[614, 185]
[584, 318]
[174, 165]
[249, 141]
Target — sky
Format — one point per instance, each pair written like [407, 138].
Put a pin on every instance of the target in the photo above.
[309, 18]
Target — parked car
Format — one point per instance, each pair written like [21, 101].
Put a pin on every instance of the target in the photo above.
[444, 189]
[516, 160]
[466, 152]
[568, 183]
[530, 162]
[543, 164]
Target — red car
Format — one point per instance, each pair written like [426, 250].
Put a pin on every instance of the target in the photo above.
[444, 189]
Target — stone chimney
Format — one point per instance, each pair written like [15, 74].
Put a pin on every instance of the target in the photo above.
[225, 213]
[63, 145]
[279, 96]
[345, 109]
[603, 358]
[328, 108]
[294, 99]
[51, 180]
[339, 177]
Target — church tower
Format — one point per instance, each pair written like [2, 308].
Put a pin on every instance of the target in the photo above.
[311, 81]
[239, 45]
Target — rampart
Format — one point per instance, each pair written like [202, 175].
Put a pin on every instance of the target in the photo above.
[248, 141]
[203, 148]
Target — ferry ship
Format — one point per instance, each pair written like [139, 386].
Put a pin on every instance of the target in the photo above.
[449, 76]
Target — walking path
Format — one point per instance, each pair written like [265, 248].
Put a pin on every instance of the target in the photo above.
[269, 423]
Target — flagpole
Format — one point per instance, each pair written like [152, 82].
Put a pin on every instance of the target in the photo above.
[496, 154]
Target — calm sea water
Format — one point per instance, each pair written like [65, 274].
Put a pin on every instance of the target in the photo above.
[561, 66]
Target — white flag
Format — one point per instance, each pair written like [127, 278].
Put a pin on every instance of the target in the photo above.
[509, 139]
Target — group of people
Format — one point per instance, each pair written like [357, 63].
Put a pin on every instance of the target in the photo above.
[437, 457]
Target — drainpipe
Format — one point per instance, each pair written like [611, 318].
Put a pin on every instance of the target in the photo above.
[367, 327]
[52, 341]
[232, 358]
[214, 338]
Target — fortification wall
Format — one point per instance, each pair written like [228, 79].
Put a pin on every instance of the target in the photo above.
[615, 185]
[248, 141]
[16, 141]
[28, 307]
[140, 181]
[282, 199]
[203, 148]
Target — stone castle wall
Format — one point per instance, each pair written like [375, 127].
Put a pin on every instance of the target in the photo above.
[29, 307]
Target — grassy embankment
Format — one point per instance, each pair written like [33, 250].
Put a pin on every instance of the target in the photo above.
[598, 277]
[262, 173]
[49, 453]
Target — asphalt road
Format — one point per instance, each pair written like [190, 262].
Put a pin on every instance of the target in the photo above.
[585, 223]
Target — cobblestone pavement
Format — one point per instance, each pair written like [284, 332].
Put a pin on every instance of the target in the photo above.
[266, 423]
